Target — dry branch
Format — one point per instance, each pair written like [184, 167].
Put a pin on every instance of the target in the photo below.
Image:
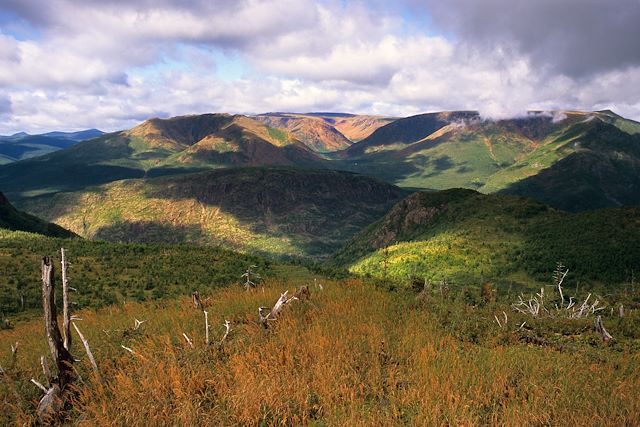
[66, 314]
[227, 326]
[278, 306]
[206, 327]
[137, 323]
[188, 340]
[88, 350]
[128, 349]
[40, 386]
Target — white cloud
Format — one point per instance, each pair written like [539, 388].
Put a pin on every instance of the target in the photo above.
[112, 64]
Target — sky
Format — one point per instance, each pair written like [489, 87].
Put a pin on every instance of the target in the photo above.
[110, 64]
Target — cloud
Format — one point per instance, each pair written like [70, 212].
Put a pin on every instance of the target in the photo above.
[578, 38]
[112, 63]
[5, 106]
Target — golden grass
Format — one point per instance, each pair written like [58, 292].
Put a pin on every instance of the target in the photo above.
[352, 355]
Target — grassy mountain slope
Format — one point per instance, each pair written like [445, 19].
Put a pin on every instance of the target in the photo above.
[545, 156]
[351, 355]
[405, 131]
[326, 132]
[12, 219]
[157, 147]
[467, 237]
[314, 132]
[283, 212]
[600, 169]
[358, 127]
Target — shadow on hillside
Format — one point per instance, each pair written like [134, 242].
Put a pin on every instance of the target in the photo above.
[158, 232]
[149, 232]
[316, 210]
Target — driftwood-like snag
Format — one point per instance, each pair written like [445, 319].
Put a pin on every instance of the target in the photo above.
[277, 308]
[227, 326]
[66, 314]
[137, 323]
[53, 401]
[186, 337]
[206, 327]
[195, 298]
[249, 275]
[303, 293]
[606, 336]
[85, 343]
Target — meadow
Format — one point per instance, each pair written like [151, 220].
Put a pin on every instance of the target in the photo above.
[355, 353]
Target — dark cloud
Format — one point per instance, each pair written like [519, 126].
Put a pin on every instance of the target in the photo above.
[575, 37]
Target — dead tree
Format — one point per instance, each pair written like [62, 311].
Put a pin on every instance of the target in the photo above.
[248, 275]
[303, 293]
[66, 314]
[85, 343]
[606, 336]
[195, 298]
[277, 308]
[558, 278]
[53, 402]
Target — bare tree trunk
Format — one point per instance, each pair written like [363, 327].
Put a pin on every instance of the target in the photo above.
[206, 327]
[66, 314]
[606, 336]
[53, 402]
[195, 298]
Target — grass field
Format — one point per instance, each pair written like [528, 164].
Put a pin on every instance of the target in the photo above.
[354, 354]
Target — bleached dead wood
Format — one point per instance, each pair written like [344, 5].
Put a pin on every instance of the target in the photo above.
[137, 323]
[497, 320]
[128, 349]
[85, 343]
[535, 304]
[606, 336]
[249, 275]
[51, 404]
[273, 313]
[40, 386]
[206, 327]
[227, 326]
[621, 311]
[66, 314]
[14, 354]
[188, 340]
[195, 299]
[53, 401]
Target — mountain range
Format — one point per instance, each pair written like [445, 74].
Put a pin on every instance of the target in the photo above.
[303, 185]
[21, 145]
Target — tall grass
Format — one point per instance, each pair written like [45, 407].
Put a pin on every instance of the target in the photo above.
[352, 355]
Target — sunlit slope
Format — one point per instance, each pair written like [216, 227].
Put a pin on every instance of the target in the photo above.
[282, 212]
[468, 237]
[157, 147]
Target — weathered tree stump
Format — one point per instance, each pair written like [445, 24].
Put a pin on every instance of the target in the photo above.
[53, 402]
